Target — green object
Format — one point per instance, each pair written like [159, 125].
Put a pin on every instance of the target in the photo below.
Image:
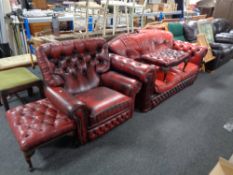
[16, 77]
[177, 30]
[181, 38]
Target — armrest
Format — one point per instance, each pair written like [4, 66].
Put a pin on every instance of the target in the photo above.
[220, 46]
[224, 38]
[63, 101]
[123, 84]
[197, 52]
[141, 71]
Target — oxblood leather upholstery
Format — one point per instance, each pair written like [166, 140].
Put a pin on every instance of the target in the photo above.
[76, 74]
[38, 122]
[131, 53]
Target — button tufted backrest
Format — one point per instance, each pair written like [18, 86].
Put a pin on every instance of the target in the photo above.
[74, 65]
[137, 44]
[221, 25]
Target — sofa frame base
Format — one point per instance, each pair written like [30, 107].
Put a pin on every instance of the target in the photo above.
[159, 98]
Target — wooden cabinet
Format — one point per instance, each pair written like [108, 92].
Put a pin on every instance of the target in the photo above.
[40, 4]
[39, 27]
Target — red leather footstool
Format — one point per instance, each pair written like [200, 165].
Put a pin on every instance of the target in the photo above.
[36, 123]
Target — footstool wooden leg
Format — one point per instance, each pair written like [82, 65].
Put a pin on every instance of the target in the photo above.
[30, 92]
[41, 89]
[5, 102]
[28, 156]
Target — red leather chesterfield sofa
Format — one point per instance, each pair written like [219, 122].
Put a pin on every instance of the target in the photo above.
[162, 65]
[79, 84]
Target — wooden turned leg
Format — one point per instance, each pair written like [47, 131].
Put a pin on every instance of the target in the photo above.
[28, 156]
[5, 102]
[30, 92]
[165, 71]
[185, 65]
[41, 89]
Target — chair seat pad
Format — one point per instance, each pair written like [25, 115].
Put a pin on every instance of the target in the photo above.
[36, 123]
[171, 81]
[16, 77]
[190, 70]
[104, 103]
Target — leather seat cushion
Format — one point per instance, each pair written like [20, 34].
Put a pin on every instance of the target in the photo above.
[103, 104]
[171, 81]
[36, 123]
[222, 50]
[16, 77]
[222, 47]
[190, 70]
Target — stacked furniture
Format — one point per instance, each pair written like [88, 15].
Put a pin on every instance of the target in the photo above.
[173, 64]
[83, 96]
[221, 46]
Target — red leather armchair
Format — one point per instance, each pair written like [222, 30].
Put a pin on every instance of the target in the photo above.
[80, 84]
[162, 65]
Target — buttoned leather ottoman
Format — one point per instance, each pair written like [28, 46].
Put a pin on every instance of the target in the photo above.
[37, 123]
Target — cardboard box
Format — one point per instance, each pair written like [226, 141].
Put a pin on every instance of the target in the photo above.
[154, 7]
[154, 1]
[223, 167]
[163, 7]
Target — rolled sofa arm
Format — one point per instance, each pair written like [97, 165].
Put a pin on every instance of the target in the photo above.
[197, 52]
[63, 101]
[141, 71]
[123, 84]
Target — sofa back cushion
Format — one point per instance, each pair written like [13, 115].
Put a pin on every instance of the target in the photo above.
[74, 64]
[137, 44]
[221, 25]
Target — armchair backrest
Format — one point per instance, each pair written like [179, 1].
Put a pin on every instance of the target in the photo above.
[221, 25]
[75, 64]
[136, 44]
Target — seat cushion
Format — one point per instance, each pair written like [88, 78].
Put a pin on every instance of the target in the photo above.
[190, 70]
[36, 123]
[171, 81]
[103, 104]
[16, 77]
[222, 47]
